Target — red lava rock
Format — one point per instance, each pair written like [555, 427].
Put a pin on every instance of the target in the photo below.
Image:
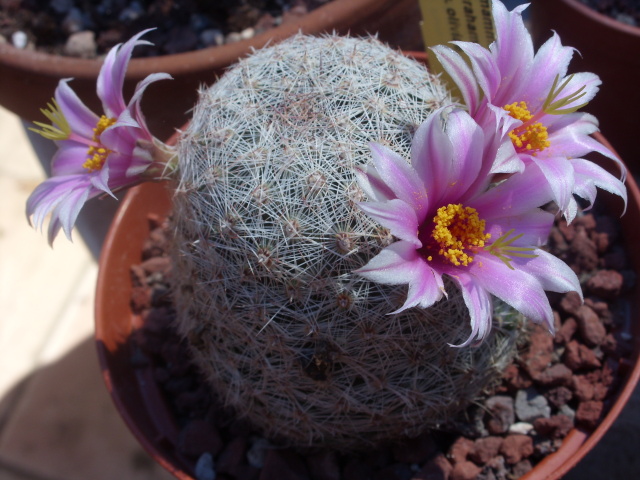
[198, 437]
[583, 388]
[590, 327]
[324, 465]
[138, 276]
[578, 357]
[438, 468]
[465, 471]
[558, 374]
[601, 308]
[156, 265]
[485, 449]
[584, 252]
[600, 392]
[416, 450]
[610, 372]
[500, 410]
[588, 413]
[140, 299]
[586, 221]
[460, 449]
[610, 345]
[156, 244]
[538, 357]
[566, 331]
[557, 240]
[516, 447]
[283, 465]
[601, 241]
[559, 396]
[605, 284]
[570, 303]
[568, 231]
[515, 378]
[521, 468]
[557, 426]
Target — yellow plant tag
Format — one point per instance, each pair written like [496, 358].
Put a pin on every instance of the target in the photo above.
[447, 20]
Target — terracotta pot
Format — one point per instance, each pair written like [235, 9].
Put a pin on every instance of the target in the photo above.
[608, 48]
[28, 78]
[134, 390]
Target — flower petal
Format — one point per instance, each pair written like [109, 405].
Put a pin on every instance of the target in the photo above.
[518, 194]
[558, 172]
[588, 174]
[516, 287]
[461, 74]
[553, 274]
[400, 177]
[480, 307]
[112, 74]
[397, 216]
[81, 120]
[398, 264]
[372, 184]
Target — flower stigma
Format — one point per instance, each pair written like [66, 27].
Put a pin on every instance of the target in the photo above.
[97, 154]
[554, 107]
[457, 232]
[531, 135]
[502, 249]
[59, 128]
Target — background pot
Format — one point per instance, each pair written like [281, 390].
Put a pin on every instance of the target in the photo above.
[608, 48]
[28, 78]
[140, 402]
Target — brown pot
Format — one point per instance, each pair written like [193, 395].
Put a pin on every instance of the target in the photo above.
[134, 390]
[608, 48]
[28, 78]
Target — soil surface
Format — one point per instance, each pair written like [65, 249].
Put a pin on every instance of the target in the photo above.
[556, 383]
[88, 29]
[625, 11]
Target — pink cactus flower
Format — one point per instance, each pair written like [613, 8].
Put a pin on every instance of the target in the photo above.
[509, 79]
[97, 154]
[450, 221]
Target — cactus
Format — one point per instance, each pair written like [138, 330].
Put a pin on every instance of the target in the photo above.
[268, 234]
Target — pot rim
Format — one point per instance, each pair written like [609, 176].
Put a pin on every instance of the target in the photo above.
[606, 20]
[335, 15]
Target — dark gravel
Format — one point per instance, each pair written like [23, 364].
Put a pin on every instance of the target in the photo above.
[87, 28]
[625, 11]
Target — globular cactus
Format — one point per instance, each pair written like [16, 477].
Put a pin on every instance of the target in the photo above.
[268, 234]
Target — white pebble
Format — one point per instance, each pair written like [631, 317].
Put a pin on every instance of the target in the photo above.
[19, 39]
[521, 427]
[257, 452]
[247, 33]
[204, 467]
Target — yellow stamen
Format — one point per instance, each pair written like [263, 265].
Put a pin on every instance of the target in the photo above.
[59, 128]
[97, 155]
[458, 231]
[502, 249]
[529, 136]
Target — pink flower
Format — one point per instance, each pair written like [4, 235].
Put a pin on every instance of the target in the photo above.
[509, 80]
[97, 154]
[448, 223]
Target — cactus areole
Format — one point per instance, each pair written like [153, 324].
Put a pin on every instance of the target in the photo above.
[268, 236]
